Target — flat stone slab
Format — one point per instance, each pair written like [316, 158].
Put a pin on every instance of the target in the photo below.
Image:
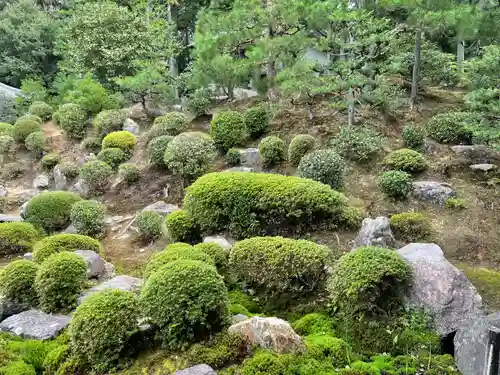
[10, 218]
[197, 370]
[164, 209]
[35, 325]
[433, 191]
[239, 169]
[483, 167]
[121, 282]
[476, 153]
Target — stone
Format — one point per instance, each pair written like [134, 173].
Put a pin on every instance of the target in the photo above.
[22, 209]
[3, 191]
[60, 180]
[164, 209]
[95, 264]
[476, 154]
[269, 333]
[35, 325]
[70, 230]
[433, 191]
[197, 370]
[122, 282]
[10, 218]
[471, 344]
[131, 126]
[9, 307]
[26, 195]
[483, 168]
[238, 318]
[80, 188]
[440, 288]
[107, 273]
[250, 157]
[239, 169]
[28, 256]
[375, 232]
[41, 181]
[219, 240]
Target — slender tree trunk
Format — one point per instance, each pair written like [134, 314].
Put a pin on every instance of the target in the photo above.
[460, 55]
[416, 67]
[350, 110]
[172, 61]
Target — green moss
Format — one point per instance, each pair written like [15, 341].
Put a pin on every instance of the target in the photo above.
[313, 324]
[240, 298]
[487, 282]
[225, 349]
[321, 346]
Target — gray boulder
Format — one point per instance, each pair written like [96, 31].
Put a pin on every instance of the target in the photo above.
[440, 288]
[433, 191]
[95, 264]
[219, 240]
[122, 282]
[131, 126]
[60, 180]
[164, 209]
[375, 232]
[239, 169]
[10, 218]
[475, 154]
[250, 157]
[197, 370]
[35, 325]
[41, 181]
[80, 188]
[107, 273]
[71, 229]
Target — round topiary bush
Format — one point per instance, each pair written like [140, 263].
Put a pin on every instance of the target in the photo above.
[17, 281]
[60, 280]
[157, 148]
[272, 150]
[19, 368]
[172, 123]
[149, 225]
[185, 300]
[34, 118]
[96, 175]
[42, 110]
[112, 157]
[219, 255]
[109, 121]
[228, 129]
[23, 127]
[102, 325]
[6, 129]
[264, 264]
[233, 156]
[395, 184]
[256, 121]
[325, 166]
[88, 217]
[36, 142]
[50, 160]
[180, 227]
[368, 281]
[123, 140]
[452, 127]
[70, 170]
[51, 210]
[71, 118]
[406, 160]
[17, 238]
[92, 144]
[323, 346]
[411, 226]
[7, 145]
[189, 155]
[413, 137]
[299, 146]
[63, 242]
[129, 173]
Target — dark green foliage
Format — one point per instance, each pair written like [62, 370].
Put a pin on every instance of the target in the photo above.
[17, 280]
[299, 146]
[172, 123]
[63, 242]
[42, 110]
[122, 139]
[199, 102]
[88, 217]
[101, 326]
[60, 280]
[411, 226]
[256, 121]
[157, 147]
[233, 156]
[225, 349]
[71, 118]
[413, 137]
[96, 174]
[185, 300]
[313, 323]
[50, 160]
[219, 255]
[23, 127]
[149, 224]
[109, 121]
[36, 142]
[112, 157]
[272, 150]
[70, 170]
[325, 166]
[321, 346]
[129, 172]
[355, 143]
[17, 238]
[7, 111]
[238, 297]
[266, 363]
[19, 368]
[395, 184]
[51, 210]
[406, 160]
[228, 130]
[181, 227]
[55, 359]
[452, 127]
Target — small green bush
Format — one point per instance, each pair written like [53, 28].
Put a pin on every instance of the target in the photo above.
[456, 203]
[23, 127]
[238, 297]
[299, 146]
[51, 210]
[313, 323]
[219, 255]
[6, 129]
[36, 142]
[406, 160]
[368, 281]
[19, 368]
[395, 184]
[325, 166]
[34, 118]
[60, 280]
[451, 127]
[272, 150]
[50, 160]
[411, 226]
[129, 173]
[266, 363]
[413, 137]
[17, 238]
[123, 140]
[355, 143]
[186, 300]
[96, 174]
[256, 121]
[157, 148]
[42, 110]
[71, 118]
[149, 224]
[32, 352]
[233, 156]
[172, 123]
[223, 350]
[55, 359]
[7, 145]
[63, 242]
[102, 325]
[70, 170]
[92, 144]
[109, 121]
[321, 346]
[228, 130]
[88, 218]
[11, 171]
[199, 102]
[17, 281]
[180, 227]
[112, 157]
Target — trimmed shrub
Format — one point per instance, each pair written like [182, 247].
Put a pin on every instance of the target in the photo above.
[299, 146]
[157, 148]
[42, 110]
[223, 350]
[70, 170]
[413, 137]
[6, 129]
[395, 184]
[274, 265]
[456, 203]
[228, 129]
[411, 226]
[24, 127]
[249, 204]
[17, 281]
[129, 173]
[180, 227]
[406, 160]
[96, 174]
[92, 144]
[102, 325]
[325, 166]
[452, 127]
[321, 346]
[34, 118]
[199, 102]
[272, 150]
[219, 255]
[50, 160]
[55, 359]
[186, 300]
[189, 155]
[7, 145]
[172, 123]
[60, 280]
[36, 142]
[71, 118]
[313, 324]
[63, 242]
[149, 225]
[355, 143]
[123, 140]
[112, 157]
[233, 156]
[19, 368]
[88, 217]
[256, 121]
[51, 210]
[17, 238]
[368, 281]
[109, 121]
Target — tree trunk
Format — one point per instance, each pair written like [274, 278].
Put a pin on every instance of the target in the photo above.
[350, 110]
[460, 55]
[172, 61]
[416, 67]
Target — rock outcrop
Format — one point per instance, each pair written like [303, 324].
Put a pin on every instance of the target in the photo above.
[164, 209]
[375, 232]
[476, 154]
[250, 157]
[35, 325]
[433, 191]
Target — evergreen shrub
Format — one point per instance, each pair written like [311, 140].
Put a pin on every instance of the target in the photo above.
[272, 150]
[88, 217]
[17, 281]
[71, 118]
[324, 166]
[16, 238]
[299, 146]
[63, 242]
[406, 160]
[228, 130]
[411, 226]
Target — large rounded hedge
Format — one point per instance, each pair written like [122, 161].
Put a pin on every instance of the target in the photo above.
[41, 109]
[102, 325]
[256, 121]
[88, 217]
[71, 118]
[406, 160]
[109, 121]
[185, 300]
[249, 204]
[51, 210]
[17, 281]
[123, 140]
[60, 280]
[172, 123]
[157, 147]
[17, 237]
[63, 242]
[180, 227]
[368, 281]
[272, 150]
[228, 129]
[300, 145]
[112, 156]
[325, 166]
[96, 174]
[452, 127]
[23, 127]
[276, 264]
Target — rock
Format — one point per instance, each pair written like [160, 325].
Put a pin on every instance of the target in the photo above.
[70, 230]
[9, 307]
[250, 157]
[3, 191]
[10, 218]
[80, 188]
[440, 288]
[60, 180]
[269, 333]
[41, 181]
[484, 170]
[197, 370]
[107, 273]
[131, 126]
[239, 169]
[28, 256]
[238, 318]
[430, 146]
[26, 195]
[475, 154]
[219, 240]
[164, 209]
[375, 232]
[35, 325]
[471, 343]
[95, 264]
[433, 191]
[122, 282]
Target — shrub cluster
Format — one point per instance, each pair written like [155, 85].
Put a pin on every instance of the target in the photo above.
[109, 121]
[70, 170]
[321, 346]
[129, 173]
[228, 129]
[6, 129]
[17, 281]
[223, 350]
[51, 210]
[71, 118]
[411, 226]
[180, 227]
[395, 184]
[36, 142]
[219, 255]
[451, 127]
[157, 148]
[313, 323]
[149, 224]
[88, 217]
[123, 140]
[199, 102]
[17, 238]
[272, 150]
[358, 144]
[325, 166]
[92, 144]
[63, 242]
[406, 160]
[112, 156]
[7, 145]
[172, 123]
[42, 110]
[23, 127]
[256, 121]
[299, 146]
[50, 160]
[413, 136]
[96, 175]
[233, 156]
